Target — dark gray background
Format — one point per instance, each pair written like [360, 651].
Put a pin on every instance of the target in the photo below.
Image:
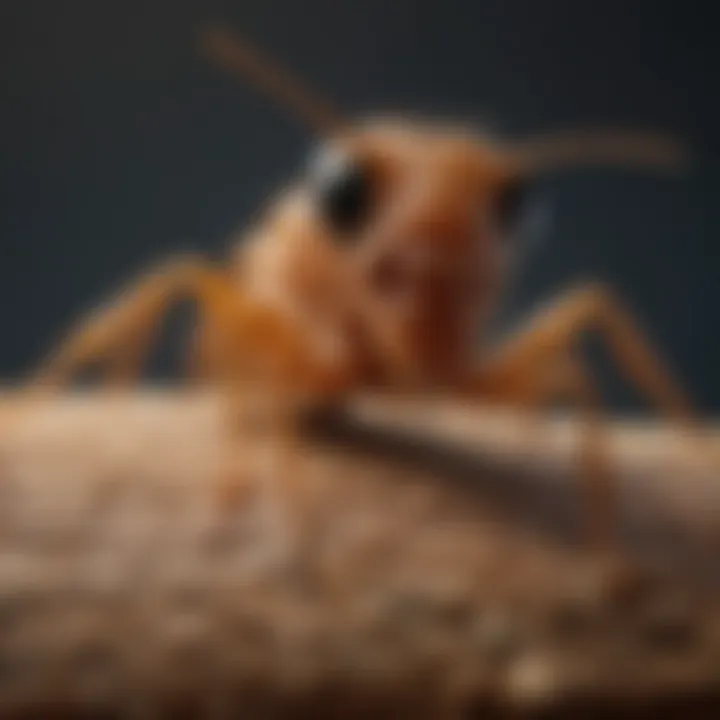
[119, 145]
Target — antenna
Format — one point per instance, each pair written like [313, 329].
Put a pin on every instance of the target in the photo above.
[600, 146]
[237, 55]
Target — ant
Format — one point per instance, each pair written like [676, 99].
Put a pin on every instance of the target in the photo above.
[375, 270]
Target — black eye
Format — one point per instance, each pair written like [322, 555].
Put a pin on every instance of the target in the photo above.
[341, 188]
[511, 204]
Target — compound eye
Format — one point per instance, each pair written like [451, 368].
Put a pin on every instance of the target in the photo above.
[341, 189]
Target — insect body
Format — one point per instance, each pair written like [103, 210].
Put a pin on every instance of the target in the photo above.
[377, 268]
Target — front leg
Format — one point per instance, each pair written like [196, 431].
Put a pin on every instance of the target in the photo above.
[238, 340]
[541, 364]
[118, 335]
[560, 327]
[242, 346]
[564, 379]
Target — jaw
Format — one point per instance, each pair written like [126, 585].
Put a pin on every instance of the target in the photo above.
[441, 342]
[424, 343]
[428, 314]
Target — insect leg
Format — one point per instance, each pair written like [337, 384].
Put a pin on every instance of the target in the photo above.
[562, 325]
[244, 347]
[539, 364]
[571, 382]
[235, 334]
[120, 333]
[560, 376]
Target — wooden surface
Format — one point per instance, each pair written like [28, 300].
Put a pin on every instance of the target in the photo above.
[667, 478]
[368, 568]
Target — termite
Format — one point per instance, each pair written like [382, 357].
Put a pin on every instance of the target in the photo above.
[376, 269]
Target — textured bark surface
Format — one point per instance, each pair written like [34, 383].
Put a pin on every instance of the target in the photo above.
[360, 573]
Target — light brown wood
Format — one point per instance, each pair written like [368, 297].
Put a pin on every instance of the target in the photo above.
[427, 579]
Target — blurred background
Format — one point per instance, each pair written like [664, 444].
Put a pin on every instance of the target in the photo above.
[120, 145]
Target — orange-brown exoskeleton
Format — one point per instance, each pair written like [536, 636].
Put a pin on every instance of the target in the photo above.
[379, 266]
